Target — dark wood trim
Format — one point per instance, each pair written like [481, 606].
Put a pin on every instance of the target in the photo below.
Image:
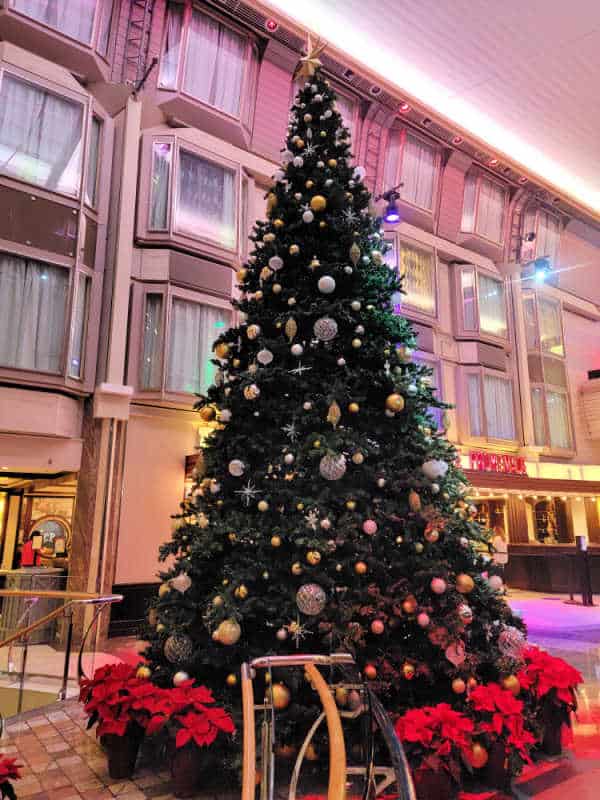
[127, 617]
[524, 483]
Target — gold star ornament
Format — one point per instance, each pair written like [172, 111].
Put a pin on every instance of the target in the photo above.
[308, 64]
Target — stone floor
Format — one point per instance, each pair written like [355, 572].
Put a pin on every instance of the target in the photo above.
[63, 761]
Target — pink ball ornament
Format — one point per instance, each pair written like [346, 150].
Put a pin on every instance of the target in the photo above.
[495, 582]
[423, 619]
[377, 627]
[438, 585]
[369, 527]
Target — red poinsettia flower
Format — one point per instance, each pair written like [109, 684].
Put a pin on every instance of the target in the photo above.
[438, 730]
[9, 769]
[499, 714]
[544, 673]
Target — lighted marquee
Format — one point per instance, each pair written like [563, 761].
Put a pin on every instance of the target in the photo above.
[497, 462]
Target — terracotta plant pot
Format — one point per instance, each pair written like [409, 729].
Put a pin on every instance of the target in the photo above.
[496, 774]
[122, 751]
[553, 717]
[431, 785]
[186, 769]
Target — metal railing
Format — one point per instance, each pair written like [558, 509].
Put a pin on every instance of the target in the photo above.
[72, 600]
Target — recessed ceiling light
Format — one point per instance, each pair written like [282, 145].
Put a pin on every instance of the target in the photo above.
[523, 179]
[271, 25]
[348, 74]
[404, 108]
[457, 140]
[375, 90]
[493, 162]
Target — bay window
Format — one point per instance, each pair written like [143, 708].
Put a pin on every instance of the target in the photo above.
[82, 299]
[85, 21]
[41, 136]
[490, 406]
[33, 313]
[484, 207]
[482, 304]
[417, 269]
[412, 162]
[152, 342]
[206, 59]
[546, 228]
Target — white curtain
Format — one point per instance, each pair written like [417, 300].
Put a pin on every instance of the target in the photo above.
[550, 327]
[498, 404]
[215, 64]
[193, 329]
[558, 419]
[206, 200]
[79, 326]
[152, 344]
[474, 400]
[92, 163]
[490, 210]
[539, 416]
[531, 330]
[392, 160]
[40, 136]
[492, 306]
[33, 307]
[469, 198]
[74, 18]
[418, 272]
[347, 109]
[159, 193]
[169, 62]
[548, 235]
[467, 289]
[418, 173]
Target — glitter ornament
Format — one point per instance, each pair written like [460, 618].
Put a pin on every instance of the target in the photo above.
[313, 557]
[296, 568]
[251, 392]
[276, 263]
[434, 469]
[511, 642]
[221, 350]
[325, 329]
[236, 467]
[144, 673]
[465, 613]
[332, 467]
[228, 633]
[181, 583]
[311, 599]
[369, 527]
[264, 357]
[326, 284]
[178, 648]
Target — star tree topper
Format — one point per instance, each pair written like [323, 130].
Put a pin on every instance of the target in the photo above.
[308, 64]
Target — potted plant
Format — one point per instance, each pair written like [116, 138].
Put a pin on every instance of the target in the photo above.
[112, 700]
[9, 771]
[437, 740]
[500, 729]
[551, 683]
[193, 721]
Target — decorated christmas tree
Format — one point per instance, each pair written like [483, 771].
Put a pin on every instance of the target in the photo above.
[330, 513]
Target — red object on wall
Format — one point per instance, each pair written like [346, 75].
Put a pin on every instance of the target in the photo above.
[497, 462]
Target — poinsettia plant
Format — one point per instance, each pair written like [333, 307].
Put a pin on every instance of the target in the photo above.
[499, 717]
[549, 676]
[108, 698]
[435, 738]
[9, 771]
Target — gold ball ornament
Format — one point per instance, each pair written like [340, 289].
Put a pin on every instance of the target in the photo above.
[221, 350]
[231, 679]
[241, 274]
[241, 592]
[276, 288]
[232, 536]
[464, 583]
[353, 408]
[394, 402]
[358, 458]
[300, 506]
[356, 343]
[236, 362]
[478, 757]
[271, 202]
[217, 601]
[360, 568]
[409, 605]
[350, 505]
[318, 203]
[253, 331]
[313, 557]
[332, 163]
[309, 184]
[143, 673]
[459, 686]
[160, 628]
[408, 671]
[472, 683]
[278, 223]
[322, 224]
[300, 144]
[310, 753]
[297, 568]
[281, 696]
[511, 682]
[164, 589]
[294, 250]
[228, 632]
[263, 505]
[275, 541]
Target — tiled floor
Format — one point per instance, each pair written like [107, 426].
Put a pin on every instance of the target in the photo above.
[63, 761]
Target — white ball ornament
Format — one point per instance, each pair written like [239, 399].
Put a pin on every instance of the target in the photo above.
[325, 524]
[276, 263]
[292, 301]
[297, 195]
[359, 329]
[464, 542]
[282, 634]
[348, 270]
[287, 156]
[225, 415]
[359, 173]
[264, 357]
[328, 114]
[298, 161]
[297, 349]
[279, 175]
[341, 362]
[320, 164]
[332, 468]
[329, 182]
[308, 216]
[434, 468]
[326, 284]
[289, 458]
[435, 488]
[236, 467]
[381, 482]
[318, 98]
[412, 389]
[307, 405]
[180, 677]
[495, 583]
[355, 305]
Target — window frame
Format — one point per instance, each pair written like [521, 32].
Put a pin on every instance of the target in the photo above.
[405, 131]
[249, 82]
[529, 250]
[480, 176]
[93, 115]
[484, 439]
[88, 275]
[407, 310]
[462, 332]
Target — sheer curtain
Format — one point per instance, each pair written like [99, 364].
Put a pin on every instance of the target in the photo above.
[392, 159]
[470, 194]
[193, 329]
[474, 400]
[79, 327]
[490, 210]
[498, 404]
[531, 330]
[558, 419]
[206, 200]
[169, 62]
[91, 180]
[152, 344]
[215, 63]
[40, 136]
[418, 279]
[539, 416]
[548, 235]
[467, 290]
[74, 18]
[33, 308]
[347, 108]
[550, 323]
[418, 172]
[159, 192]
[492, 307]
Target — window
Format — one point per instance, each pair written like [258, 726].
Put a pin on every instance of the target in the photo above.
[33, 313]
[491, 406]
[483, 207]
[550, 327]
[159, 191]
[79, 326]
[73, 18]
[91, 182]
[206, 59]
[206, 200]
[152, 342]
[193, 329]
[417, 268]
[40, 136]
[483, 303]
[432, 382]
[413, 162]
[546, 228]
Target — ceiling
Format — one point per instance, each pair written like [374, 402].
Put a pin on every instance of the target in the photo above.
[521, 75]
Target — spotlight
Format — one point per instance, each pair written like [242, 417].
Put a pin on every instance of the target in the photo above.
[392, 214]
[271, 25]
[541, 269]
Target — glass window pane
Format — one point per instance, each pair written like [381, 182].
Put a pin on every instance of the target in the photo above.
[347, 108]
[538, 407]
[550, 327]
[206, 206]
[474, 400]
[159, 192]
[193, 330]
[169, 62]
[215, 64]
[558, 420]
[33, 312]
[74, 18]
[490, 210]
[392, 160]
[418, 172]
[467, 289]
[492, 307]
[555, 372]
[104, 29]
[418, 279]
[548, 234]
[531, 332]
[40, 136]
[92, 168]
[470, 194]
[498, 403]
[152, 344]
[79, 326]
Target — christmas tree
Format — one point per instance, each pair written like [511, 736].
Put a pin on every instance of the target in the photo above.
[330, 515]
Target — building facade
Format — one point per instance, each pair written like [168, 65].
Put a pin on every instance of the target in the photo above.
[137, 140]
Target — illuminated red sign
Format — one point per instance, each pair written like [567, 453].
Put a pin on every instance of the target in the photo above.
[497, 462]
